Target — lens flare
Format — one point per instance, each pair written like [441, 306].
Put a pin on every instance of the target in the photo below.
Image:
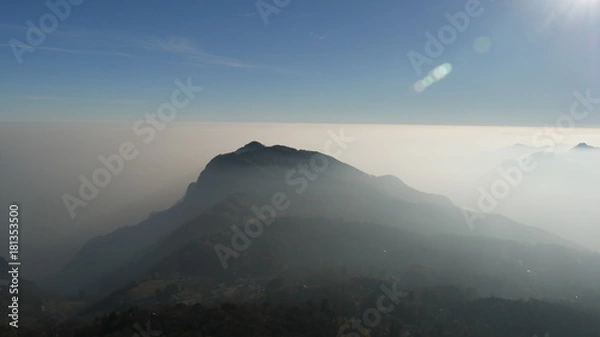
[436, 75]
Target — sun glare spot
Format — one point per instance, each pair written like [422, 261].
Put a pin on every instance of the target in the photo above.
[436, 75]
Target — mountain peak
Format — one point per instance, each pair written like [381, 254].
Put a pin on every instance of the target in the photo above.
[252, 146]
[258, 156]
[585, 146]
[521, 146]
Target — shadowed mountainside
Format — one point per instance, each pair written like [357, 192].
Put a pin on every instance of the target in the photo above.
[315, 185]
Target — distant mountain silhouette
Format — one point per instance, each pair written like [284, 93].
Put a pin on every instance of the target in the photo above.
[315, 185]
[584, 147]
[252, 146]
[521, 146]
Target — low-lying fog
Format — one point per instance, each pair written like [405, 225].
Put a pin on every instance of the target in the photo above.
[558, 190]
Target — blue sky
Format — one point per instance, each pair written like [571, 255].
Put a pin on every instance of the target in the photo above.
[315, 61]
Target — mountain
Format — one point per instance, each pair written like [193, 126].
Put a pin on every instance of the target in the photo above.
[309, 183]
[513, 151]
[488, 264]
[338, 251]
[557, 188]
[36, 304]
[584, 147]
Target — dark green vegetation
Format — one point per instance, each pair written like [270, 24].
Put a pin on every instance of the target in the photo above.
[329, 310]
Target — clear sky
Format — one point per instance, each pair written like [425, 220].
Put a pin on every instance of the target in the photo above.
[515, 63]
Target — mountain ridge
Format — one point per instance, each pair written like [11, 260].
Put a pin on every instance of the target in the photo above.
[339, 191]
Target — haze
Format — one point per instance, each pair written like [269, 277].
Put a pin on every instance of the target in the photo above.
[44, 160]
